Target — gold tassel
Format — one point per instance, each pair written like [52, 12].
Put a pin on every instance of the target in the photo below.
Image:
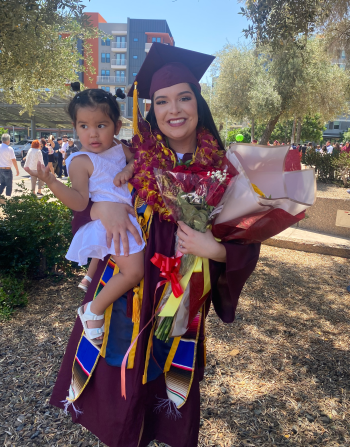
[135, 117]
[136, 306]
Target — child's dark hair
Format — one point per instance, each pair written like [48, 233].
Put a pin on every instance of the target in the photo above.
[95, 97]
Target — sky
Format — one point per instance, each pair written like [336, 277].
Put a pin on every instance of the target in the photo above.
[198, 25]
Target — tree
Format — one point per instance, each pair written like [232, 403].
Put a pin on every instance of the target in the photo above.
[277, 21]
[312, 128]
[39, 48]
[269, 85]
[243, 87]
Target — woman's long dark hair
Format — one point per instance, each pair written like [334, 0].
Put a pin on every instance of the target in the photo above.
[205, 118]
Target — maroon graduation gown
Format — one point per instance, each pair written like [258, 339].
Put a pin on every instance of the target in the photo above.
[118, 422]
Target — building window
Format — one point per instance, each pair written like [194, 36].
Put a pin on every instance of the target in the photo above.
[134, 74]
[159, 39]
[154, 39]
[108, 58]
[136, 39]
[135, 57]
[121, 59]
[121, 42]
[103, 57]
[108, 42]
[103, 42]
[120, 75]
[107, 72]
[121, 88]
[103, 72]
[343, 54]
[106, 89]
[336, 125]
[122, 107]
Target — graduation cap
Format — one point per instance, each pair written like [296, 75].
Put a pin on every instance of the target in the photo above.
[166, 66]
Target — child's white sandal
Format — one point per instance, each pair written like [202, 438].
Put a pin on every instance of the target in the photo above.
[83, 286]
[93, 333]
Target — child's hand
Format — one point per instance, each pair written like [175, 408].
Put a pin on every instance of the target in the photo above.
[43, 173]
[123, 177]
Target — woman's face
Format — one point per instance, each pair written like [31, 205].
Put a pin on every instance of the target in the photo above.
[176, 112]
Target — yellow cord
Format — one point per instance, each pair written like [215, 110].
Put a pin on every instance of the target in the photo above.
[135, 112]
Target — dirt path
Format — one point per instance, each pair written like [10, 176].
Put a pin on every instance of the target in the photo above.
[278, 376]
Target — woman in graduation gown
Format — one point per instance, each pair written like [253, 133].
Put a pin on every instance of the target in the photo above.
[181, 128]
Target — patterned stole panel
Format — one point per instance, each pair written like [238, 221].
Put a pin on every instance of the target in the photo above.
[176, 359]
[88, 353]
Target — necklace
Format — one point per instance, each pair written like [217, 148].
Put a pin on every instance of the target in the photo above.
[153, 153]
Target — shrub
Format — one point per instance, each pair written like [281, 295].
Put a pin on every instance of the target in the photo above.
[12, 295]
[34, 235]
[342, 167]
[323, 164]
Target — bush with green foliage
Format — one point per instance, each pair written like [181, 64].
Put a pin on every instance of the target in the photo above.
[12, 294]
[34, 235]
[323, 163]
[342, 167]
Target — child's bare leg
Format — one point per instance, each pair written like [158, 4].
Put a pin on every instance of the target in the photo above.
[91, 271]
[131, 271]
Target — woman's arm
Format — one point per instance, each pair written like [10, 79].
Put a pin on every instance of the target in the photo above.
[200, 244]
[76, 197]
[115, 219]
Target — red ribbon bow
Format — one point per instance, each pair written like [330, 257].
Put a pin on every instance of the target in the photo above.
[169, 269]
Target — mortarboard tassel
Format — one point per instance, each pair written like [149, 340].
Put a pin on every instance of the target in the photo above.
[135, 117]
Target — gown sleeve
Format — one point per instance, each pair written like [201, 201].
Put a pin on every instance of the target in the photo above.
[81, 218]
[228, 278]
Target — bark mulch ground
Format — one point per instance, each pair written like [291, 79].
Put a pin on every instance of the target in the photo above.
[278, 376]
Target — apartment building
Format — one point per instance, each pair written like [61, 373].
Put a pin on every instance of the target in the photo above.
[118, 59]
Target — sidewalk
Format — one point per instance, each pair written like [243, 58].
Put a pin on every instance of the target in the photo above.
[310, 241]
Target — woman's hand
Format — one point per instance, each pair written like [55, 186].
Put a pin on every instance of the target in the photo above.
[115, 219]
[200, 244]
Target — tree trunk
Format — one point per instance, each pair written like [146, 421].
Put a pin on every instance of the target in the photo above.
[252, 131]
[293, 131]
[299, 130]
[269, 129]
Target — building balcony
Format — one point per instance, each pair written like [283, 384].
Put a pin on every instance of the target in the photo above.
[119, 47]
[120, 33]
[111, 80]
[118, 63]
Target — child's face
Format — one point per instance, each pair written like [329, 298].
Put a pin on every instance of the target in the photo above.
[95, 129]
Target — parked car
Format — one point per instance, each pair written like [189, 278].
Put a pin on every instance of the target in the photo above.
[24, 152]
[18, 147]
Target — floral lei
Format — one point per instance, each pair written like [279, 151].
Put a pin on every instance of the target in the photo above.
[153, 153]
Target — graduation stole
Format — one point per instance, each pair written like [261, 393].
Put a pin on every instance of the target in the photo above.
[175, 359]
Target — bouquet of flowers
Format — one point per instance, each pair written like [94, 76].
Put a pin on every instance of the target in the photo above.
[191, 193]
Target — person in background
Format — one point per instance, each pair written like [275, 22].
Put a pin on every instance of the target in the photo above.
[44, 151]
[329, 147]
[318, 148]
[61, 156]
[34, 155]
[293, 146]
[336, 149]
[346, 147]
[55, 147]
[72, 148]
[7, 159]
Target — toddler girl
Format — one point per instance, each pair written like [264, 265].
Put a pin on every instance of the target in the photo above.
[95, 115]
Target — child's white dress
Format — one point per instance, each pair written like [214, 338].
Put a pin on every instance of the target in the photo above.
[90, 239]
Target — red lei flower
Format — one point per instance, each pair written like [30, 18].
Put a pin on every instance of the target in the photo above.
[152, 153]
